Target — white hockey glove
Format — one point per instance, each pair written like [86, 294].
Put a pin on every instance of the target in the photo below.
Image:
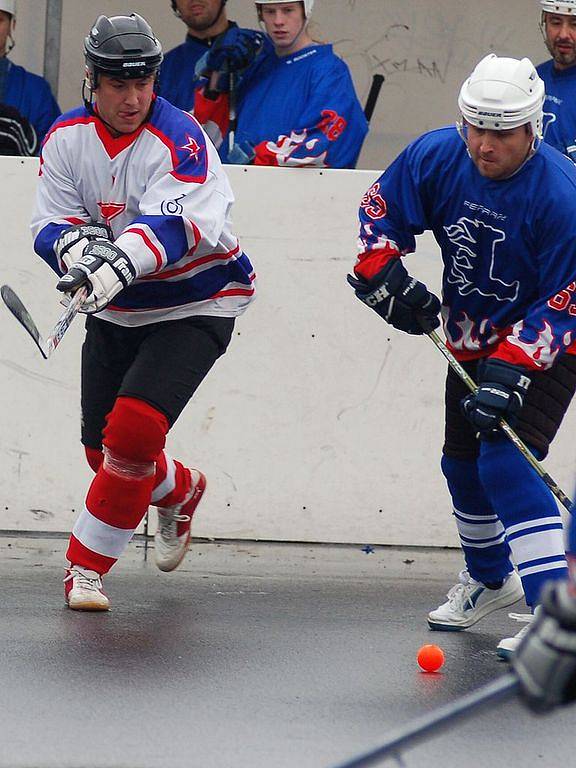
[105, 268]
[69, 247]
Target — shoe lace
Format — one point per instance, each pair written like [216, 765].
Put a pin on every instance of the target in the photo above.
[168, 518]
[459, 593]
[89, 580]
[526, 618]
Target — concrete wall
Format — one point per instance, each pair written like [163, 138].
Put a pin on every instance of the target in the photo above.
[424, 48]
[321, 423]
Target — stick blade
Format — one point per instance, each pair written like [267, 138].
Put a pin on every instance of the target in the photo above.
[21, 314]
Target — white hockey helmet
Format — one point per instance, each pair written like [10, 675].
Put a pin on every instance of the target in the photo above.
[308, 4]
[8, 6]
[561, 7]
[503, 93]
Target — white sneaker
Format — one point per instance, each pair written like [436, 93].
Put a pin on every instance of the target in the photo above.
[173, 533]
[470, 600]
[508, 646]
[83, 590]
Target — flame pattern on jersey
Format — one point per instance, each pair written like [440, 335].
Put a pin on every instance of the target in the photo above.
[509, 268]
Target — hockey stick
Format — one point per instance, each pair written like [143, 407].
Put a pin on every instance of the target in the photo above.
[374, 93]
[435, 722]
[21, 314]
[232, 116]
[506, 428]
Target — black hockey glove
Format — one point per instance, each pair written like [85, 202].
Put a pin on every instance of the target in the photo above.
[105, 269]
[17, 134]
[545, 661]
[70, 245]
[400, 299]
[500, 395]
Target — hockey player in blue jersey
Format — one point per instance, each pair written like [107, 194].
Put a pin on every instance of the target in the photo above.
[208, 28]
[27, 106]
[133, 204]
[502, 207]
[558, 24]
[296, 105]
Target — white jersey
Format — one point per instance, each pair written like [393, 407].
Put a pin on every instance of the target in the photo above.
[164, 193]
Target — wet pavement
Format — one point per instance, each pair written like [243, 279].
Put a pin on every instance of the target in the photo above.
[251, 655]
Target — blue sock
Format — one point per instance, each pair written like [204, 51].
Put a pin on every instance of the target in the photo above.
[528, 511]
[481, 533]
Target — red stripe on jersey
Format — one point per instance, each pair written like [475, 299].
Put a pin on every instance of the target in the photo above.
[149, 243]
[192, 265]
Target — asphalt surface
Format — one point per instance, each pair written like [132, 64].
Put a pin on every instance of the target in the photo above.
[251, 655]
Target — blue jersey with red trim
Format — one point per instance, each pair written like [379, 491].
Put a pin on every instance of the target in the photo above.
[508, 246]
[164, 193]
[560, 107]
[30, 94]
[300, 110]
[179, 74]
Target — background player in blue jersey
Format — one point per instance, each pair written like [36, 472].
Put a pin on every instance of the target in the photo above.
[558, 24]
[296, 105]
[208, 27]
[27, 106]
[502, 207]
[133, 204]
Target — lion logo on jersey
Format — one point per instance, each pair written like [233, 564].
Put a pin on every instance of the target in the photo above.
[471, 272]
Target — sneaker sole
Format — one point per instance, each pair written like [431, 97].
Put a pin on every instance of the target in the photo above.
[437, 626]
[88, 607]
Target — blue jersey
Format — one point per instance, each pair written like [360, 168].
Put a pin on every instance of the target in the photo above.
[560, 107]
[31, 95]
[508, 246]
[179, 73]
[299, 111]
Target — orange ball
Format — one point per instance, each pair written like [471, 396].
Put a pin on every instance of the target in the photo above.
[430, 658]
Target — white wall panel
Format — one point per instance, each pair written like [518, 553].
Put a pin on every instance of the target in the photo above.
[319, 424]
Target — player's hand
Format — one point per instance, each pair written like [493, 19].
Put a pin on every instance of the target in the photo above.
[401, 300]
[69, 247]
[545, 661]
[235, 50]
[501, 390]
[105, 269]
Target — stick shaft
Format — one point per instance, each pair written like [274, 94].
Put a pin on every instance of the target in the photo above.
[438, 720]
[374, 93]
[65, 320]
[506, 428]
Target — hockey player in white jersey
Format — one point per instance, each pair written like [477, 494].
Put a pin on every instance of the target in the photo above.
[133, 203]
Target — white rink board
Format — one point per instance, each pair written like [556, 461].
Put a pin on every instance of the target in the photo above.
[319, 424]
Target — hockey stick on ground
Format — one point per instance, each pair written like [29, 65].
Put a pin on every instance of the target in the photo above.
[374, 93]
[436, 721]
[506, 428]
[21, 314]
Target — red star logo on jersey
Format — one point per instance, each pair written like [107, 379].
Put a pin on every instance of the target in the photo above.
[193, 147]
[108, 211]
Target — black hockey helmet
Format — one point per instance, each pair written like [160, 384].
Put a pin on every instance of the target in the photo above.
[123, 47]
